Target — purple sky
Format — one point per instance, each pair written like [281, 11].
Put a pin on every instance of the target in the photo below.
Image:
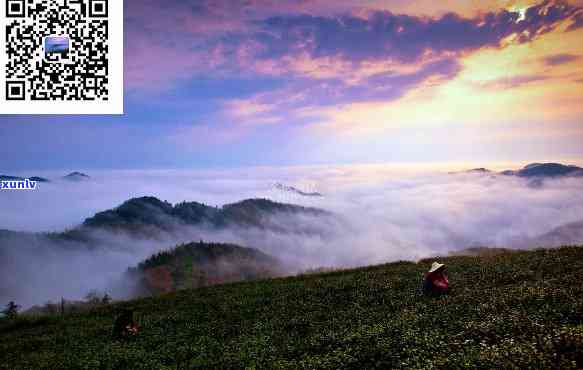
[263, 82]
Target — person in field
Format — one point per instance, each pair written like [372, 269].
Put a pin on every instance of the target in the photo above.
[125, 326]
[436, 281]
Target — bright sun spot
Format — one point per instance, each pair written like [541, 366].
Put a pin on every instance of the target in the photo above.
[521, 13]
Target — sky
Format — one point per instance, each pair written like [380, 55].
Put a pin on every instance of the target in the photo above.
[239, 83]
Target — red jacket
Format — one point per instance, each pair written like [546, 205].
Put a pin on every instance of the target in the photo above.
[438, 279]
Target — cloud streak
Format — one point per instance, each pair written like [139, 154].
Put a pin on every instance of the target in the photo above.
[577, 22]
[405, 38]
[559, 59]
[190, 38]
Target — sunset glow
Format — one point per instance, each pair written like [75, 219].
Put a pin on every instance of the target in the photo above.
[298, 78]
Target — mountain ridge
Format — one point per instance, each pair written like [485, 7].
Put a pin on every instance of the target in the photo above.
[533, 171]
[18, 178]
[149, 218]
[151, 211]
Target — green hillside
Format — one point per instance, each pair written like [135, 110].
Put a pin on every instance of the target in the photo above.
[201, 264]
[514, 310]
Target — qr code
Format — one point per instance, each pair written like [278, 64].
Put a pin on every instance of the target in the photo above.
[57, 50]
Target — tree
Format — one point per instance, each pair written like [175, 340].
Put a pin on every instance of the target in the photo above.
[11, 310]
[93, 297]
[106, 299]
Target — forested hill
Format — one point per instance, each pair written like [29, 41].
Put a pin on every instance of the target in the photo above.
[150, 211]
[201, 264]
[149, 217]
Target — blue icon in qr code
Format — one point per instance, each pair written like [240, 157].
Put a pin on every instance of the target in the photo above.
[56, 44]
[57, 49]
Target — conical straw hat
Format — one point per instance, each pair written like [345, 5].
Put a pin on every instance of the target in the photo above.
[436, 266]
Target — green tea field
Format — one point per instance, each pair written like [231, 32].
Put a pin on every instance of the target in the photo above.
[507, 311]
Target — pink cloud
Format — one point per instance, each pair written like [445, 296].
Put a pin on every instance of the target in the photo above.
[174, 40]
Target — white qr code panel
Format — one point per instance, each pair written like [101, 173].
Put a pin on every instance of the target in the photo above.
[61, 57]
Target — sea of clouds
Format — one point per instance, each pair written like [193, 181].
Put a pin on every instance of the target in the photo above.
[382, 213]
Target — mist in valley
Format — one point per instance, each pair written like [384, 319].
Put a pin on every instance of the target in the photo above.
[379, 214]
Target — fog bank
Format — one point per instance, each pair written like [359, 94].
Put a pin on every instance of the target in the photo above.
[382, 214]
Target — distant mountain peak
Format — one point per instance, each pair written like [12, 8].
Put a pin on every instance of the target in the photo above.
[39, 179]
[295, 190]
[535, 171]
[480, 170]
[549, 170]
[10, 178]
[17, 178]
[76, 176]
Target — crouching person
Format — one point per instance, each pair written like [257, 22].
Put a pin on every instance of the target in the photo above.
[125, 326]
[436, 281]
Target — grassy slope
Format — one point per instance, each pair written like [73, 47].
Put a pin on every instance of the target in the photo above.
[518, 310]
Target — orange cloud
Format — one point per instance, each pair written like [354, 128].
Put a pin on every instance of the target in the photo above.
[514, 84]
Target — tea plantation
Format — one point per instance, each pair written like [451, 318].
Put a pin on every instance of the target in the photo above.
[507, 311]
